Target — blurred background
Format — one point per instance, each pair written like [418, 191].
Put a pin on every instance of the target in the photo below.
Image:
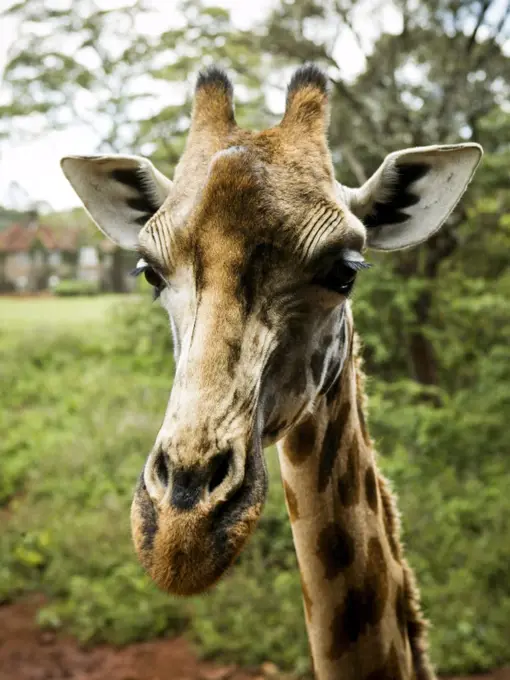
[85, 357]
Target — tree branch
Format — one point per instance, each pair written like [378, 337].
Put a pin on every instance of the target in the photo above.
[472, 38]
[358, 106]
[356, 167]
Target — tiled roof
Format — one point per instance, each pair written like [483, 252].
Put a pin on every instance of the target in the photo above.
[21, 238]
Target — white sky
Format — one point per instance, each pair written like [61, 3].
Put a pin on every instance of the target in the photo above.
[35, 164]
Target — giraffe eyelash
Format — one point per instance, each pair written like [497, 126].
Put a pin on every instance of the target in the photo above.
[143, 268]
[354, 260]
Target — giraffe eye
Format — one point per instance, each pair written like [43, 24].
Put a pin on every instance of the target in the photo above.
[152, 277]
[338, 273]
[339, 278]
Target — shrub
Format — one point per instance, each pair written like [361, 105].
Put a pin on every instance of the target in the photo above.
[79, 414]
[73, 287]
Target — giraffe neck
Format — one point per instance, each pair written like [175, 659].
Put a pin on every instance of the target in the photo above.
[361, 606]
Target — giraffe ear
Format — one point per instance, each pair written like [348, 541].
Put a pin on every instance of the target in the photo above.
[121, 193]
[412, 193]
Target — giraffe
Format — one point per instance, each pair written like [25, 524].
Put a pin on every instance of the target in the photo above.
[253, 249]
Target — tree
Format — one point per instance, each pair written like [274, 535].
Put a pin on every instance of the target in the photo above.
[435, 79]
[81, 63]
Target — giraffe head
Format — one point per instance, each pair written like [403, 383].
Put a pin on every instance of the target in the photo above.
[252, 249]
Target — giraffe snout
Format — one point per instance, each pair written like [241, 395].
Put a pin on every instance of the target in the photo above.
[190, 523]
[183, 487]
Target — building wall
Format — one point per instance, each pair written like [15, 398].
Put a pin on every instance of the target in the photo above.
[17, 269]
[41, 269]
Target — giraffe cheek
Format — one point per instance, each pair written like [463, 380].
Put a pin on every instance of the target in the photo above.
[144, 523]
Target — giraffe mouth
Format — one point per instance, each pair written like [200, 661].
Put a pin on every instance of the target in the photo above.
[187, 553]
[251, 493]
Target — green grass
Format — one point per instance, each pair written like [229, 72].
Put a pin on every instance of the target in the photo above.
[23, 314]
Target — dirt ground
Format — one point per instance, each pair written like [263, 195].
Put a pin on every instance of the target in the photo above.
[28, 653]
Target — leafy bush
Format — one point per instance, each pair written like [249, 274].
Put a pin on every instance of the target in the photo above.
[74, 287]
[450, 468]
[80, 411]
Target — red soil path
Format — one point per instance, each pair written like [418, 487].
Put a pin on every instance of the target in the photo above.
[28, 653]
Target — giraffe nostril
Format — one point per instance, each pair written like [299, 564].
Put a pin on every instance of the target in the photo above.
[220, 467]
[162, 469]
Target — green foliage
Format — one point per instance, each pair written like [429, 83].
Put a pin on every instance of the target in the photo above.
[67, 471]
[140, 337]
[74, 287]
[450, 468]
[79, 413]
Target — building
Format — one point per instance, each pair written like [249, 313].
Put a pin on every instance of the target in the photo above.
[35, 257]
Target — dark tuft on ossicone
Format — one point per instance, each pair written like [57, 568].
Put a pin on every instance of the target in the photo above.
[215, 76]
[308, 75]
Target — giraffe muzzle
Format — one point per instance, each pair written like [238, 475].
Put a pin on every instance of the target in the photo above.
[189, 525]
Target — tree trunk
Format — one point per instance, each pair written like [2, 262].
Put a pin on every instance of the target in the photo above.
[423, 359]
[422, 353]
[117, 272]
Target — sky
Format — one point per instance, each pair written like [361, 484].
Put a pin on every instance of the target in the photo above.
[35, 164]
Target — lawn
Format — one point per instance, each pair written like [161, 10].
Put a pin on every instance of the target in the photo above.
[20, 314]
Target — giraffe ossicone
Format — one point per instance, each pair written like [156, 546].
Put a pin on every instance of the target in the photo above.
[253, 249]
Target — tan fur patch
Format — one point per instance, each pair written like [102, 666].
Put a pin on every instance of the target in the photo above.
[391, 670]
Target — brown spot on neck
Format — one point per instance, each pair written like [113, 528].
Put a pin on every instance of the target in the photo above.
[363, 606]
[292, 502]
[371, 488]
[331, 446]
[349, 482]
[335, 549]
[376, 581]
[300, 442]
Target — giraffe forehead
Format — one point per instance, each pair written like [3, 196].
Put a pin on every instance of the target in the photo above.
[252, 224]
[256, 187]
